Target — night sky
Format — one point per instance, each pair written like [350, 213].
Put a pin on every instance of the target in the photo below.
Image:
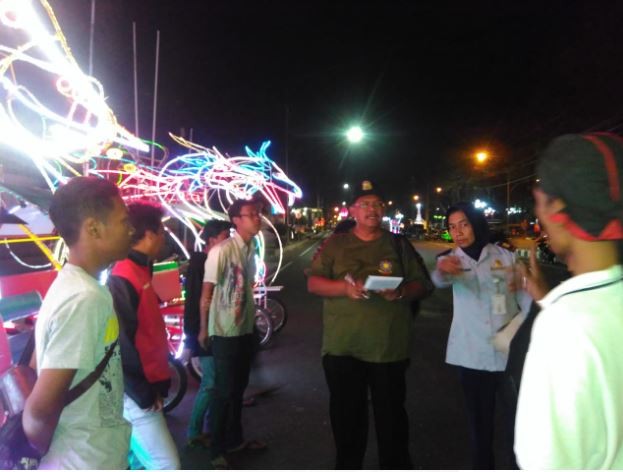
[429, 81]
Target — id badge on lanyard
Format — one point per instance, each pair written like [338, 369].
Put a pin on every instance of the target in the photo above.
[498, 298]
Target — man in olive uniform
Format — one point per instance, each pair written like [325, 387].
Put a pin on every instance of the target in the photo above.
[367, 333]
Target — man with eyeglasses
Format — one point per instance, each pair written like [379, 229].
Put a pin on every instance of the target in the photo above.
[367, 335]
[227, 313]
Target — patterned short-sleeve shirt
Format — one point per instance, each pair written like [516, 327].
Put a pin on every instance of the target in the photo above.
[230, 266]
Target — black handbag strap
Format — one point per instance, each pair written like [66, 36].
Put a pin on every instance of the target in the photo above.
[397, 246]
[86, 383]
[24, 359]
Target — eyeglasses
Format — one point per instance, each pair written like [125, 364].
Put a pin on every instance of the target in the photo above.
[250, 215]
[366, 205]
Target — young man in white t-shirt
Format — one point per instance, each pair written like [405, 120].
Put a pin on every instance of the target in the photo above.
[570, 407]
[75, 329]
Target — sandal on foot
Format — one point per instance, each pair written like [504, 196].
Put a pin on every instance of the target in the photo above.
[220, 463]
[252, 445]
[203, 441]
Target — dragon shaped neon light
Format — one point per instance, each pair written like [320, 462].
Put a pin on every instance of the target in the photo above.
[65, 128]
[62, 116]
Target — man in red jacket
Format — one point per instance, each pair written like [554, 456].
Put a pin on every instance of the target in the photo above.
[144, 348]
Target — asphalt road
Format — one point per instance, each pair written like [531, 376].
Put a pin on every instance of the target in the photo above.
[292, 416]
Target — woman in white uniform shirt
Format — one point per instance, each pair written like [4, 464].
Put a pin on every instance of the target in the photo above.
[478, 272]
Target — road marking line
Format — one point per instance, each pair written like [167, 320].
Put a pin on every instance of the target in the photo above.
[284, 267]
[308, 249]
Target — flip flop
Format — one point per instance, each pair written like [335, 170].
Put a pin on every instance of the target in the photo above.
[220, 463]
[204, 441]
[252, 445]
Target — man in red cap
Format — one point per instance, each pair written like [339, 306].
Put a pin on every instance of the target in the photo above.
[570, 409]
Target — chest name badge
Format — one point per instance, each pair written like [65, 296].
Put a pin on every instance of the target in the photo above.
[498, 304]
[385, 267]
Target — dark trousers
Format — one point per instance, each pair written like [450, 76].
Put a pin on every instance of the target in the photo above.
[232, 364]
[510, 393]
[480, 388]
[349, 380]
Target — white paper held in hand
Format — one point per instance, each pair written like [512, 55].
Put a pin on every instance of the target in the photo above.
[380, 282]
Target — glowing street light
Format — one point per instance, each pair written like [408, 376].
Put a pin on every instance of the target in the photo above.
[438, 190]
[481, 157]
[354, 134]
[416, 198]
[346, 186]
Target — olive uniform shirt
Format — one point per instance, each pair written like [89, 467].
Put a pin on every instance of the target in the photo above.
[374, 329]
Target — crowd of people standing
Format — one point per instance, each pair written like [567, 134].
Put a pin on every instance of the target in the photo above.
[569, 407]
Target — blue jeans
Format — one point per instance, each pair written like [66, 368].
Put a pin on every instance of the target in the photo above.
[202, 399]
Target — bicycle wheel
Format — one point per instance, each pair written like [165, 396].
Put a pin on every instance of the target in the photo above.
[194, 367]
[179, 383]
[278, 313]
[263, 328]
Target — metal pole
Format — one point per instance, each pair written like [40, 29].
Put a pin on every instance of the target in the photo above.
[287, 159]
[85, 166]
[136, 133]
[153, 123]
[92, 35]
[427, 208]
[508, 196]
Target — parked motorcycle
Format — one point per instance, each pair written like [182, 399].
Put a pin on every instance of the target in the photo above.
[544, 253]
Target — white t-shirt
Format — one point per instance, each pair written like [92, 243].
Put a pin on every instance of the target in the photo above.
[570, 409]
[75, 327]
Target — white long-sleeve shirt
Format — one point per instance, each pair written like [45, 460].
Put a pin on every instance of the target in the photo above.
[570, 409]
[474, 322]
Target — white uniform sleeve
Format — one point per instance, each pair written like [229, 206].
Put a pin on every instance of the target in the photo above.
[439, 279]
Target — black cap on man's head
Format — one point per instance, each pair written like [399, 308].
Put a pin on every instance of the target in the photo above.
[586, 172]
[366, 188]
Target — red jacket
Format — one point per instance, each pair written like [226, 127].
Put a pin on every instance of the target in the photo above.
[143, 336]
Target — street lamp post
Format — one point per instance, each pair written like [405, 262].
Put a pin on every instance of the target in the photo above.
[508, 196]
[481, 157]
